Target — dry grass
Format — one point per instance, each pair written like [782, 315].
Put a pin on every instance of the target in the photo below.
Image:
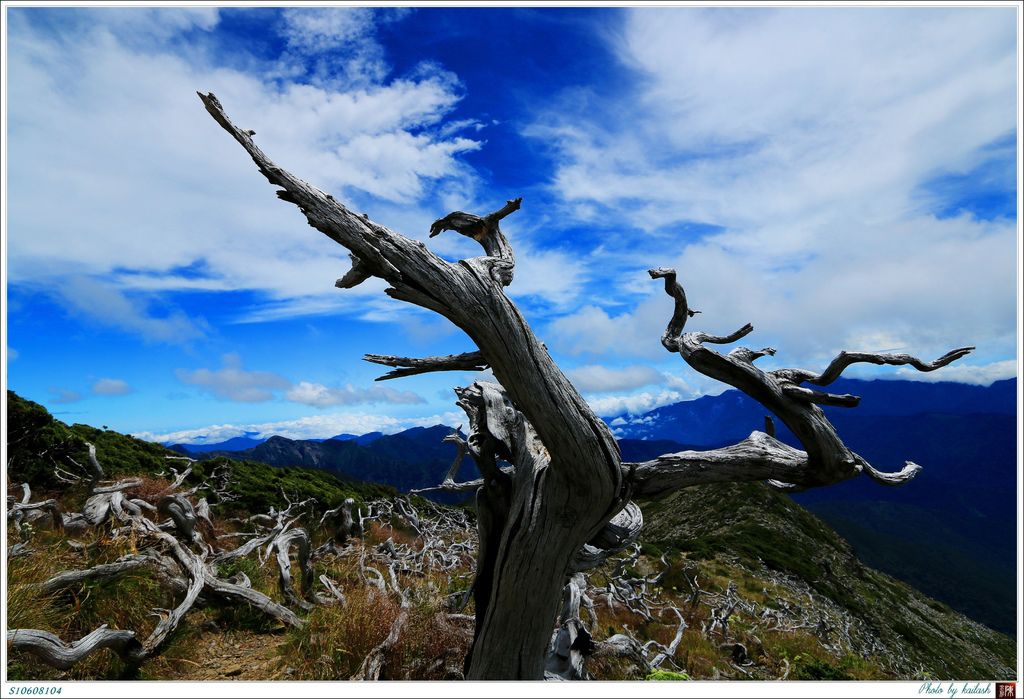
[335, 639]
[150, 489]
[72, 613]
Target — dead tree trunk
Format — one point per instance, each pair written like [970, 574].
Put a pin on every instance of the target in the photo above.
[552, 513]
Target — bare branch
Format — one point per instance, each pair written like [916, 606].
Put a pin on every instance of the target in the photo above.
[757, 458]
[359, 273]
[282, 546]
[63, 656]
[102, 572]
[820, 397]
[486, 231]
[97, 470]
[409, 366]
[670, 338]
[845, 359]
[827, 459]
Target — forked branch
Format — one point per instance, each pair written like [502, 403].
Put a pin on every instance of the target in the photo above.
[826, 459]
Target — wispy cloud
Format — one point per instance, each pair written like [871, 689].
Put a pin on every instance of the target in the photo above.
[321, 396]
[343, 40]
[111, 387]
[598, 378]
[96, 301]
[804, 175]
[63, 395]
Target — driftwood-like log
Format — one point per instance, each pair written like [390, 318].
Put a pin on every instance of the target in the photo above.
[410, 366]
[103, 573]
[572, 641]
[345, 525]
[29, 512]
[195, 569]
[337, 596]
[179, 478]
[666, 652]
[95, 470]
[180, 511]
[63, 656]
[122, 485]
[260, 601]
[281, 546]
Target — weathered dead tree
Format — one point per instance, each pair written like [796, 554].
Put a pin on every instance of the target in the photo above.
[562, 503]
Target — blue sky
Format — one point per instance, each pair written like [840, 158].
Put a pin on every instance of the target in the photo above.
[840, 177]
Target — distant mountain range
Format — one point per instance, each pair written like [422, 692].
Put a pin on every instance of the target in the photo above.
[951, 532]
[415, 458]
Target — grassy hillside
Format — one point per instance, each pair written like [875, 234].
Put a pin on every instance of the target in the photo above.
[38, 444]
[800, 605]
[754, 532]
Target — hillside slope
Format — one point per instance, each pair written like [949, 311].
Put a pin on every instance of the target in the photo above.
[755, 532]
[766, 590]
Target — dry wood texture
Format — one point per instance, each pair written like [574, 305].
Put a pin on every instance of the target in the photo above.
[563, 504]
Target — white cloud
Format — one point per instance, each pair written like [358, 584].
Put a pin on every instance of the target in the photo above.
[111, 387]
[343, 40]
[552, 276]
[232, 382]
[597, 378]
[610, 406]
[104, 304]
[149, 24]
[312, 427]
[12, 354]
[979, 375]
[321, 396]
[591, 330]
[804, 136]
[116, 170]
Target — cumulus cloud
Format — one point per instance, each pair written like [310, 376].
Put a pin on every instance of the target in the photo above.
[590, 330]
[610, 406]
[321, 396]
[232, 382]
[111, 387]
[343, 39]
[597, 378]
[788, 192]
[311, 427]
[117, 173]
